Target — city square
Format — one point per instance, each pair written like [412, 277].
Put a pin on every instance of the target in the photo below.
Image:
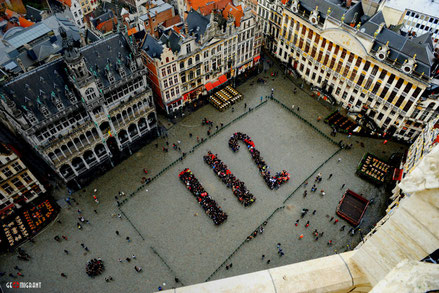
[168, 233]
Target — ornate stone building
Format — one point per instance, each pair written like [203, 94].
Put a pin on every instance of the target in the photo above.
[185, 64]
[361, 64]
[81, 110]
[17, 183]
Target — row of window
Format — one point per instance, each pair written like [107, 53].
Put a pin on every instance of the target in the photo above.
[172, 93]
[352, 75]
[124, 90]
[8, 170]
[169, 69]
[18, 182]
[53, 129]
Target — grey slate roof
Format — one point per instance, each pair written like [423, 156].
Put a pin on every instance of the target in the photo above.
[197, 23]
[324, 5]
[33, 14]
[39, 86]
[172, 41]
[402, 48]
[107, 54]
[152, 47]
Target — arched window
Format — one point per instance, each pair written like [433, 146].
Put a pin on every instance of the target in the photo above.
[197, 58]
[90, 94]
[189, 62]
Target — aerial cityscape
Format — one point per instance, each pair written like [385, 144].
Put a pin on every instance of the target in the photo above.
[219, 145]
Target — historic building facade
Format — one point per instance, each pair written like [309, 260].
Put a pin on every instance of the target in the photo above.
[365, 67]
[17, 183]
[81, 110]
[185, 64]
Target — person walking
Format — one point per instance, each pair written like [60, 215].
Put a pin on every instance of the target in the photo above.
[342, 228]
[339, 160]
[63, 275]
[263, 256]
[307, 224]
[66, 251]
[330, 175]
[343, 186]
[128, 239]
[245, 105]
[336, 221]
[314, 212]
[297, 222]
[117, 233]
[268, 262]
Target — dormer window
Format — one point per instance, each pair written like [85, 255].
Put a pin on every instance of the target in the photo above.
[90, 94]
[31, 118]
[44, 111]
[133, 66]
[59, 105]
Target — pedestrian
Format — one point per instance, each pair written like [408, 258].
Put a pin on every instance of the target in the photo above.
[314, 212]
[63, 275]
[278, 245]
[222, 125]
[79, 211]
[12, 276]
[317, 238]
[245, 105]
[321, 234]
[342, 228]
[107, 280]
[332, 218]
[342, 186]
[64, 237]
[307, 224]
[95, 211]
[336, 221]
[128, 259]
[66, 251]
[233, 109]
[179, 142]
[230, 265]
[190, 134]
[268, 262]
[176, 280]
[217, 127]
[305, 193]
[298, 109]
[198, 139]
[330, 242]
[82, 244]
[86, 248]
[17, 268]
[263, 256]
[305, 184]
[339, 160]
[117, 233]
[301, 236]
[120, 260]
[297, 222]
[128, 239]
[330, 175]
[281, 254]
[110, 278]
[292, 107]
[227, 267]
[119, 216]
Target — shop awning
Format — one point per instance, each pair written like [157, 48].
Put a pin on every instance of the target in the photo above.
[208, 86]
[175, 101]
[216, 83]
[256, 59]
[222, 79]
[397, 174]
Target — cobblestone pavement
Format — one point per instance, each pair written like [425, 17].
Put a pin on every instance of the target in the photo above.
[169, 233]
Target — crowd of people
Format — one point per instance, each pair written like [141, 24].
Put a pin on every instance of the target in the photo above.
[238, 187]
[272, 182]
[94, 267]
[209, 205]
